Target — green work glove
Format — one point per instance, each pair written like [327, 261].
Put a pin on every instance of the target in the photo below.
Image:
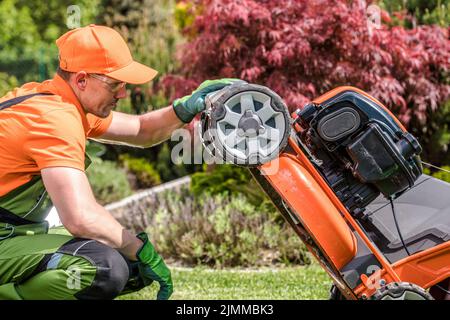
[152, 268]
[186, 108]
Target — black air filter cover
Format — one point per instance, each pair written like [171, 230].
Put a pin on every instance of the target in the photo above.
[338, 124]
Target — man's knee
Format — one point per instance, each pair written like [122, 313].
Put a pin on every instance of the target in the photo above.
[112, 272]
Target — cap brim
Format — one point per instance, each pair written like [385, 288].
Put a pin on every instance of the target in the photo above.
[134, 73]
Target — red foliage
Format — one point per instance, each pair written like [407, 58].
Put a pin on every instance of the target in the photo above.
[302, 48]
[175, 86]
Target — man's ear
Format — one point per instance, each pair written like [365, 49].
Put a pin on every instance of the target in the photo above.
[80, 80]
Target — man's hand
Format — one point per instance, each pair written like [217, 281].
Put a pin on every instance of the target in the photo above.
[152, 268]
[186, 108]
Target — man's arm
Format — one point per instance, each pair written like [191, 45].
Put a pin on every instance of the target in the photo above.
[80, 213]
[154, 127]
[142, 130]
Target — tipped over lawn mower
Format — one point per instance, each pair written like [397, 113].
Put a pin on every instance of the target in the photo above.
[347, 176]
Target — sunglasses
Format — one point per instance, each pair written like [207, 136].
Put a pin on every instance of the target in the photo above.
[114, 86]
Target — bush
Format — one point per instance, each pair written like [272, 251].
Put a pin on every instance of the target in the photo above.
[145, 173]
[442, 175]
[7, 83]
[165, 167]
[227, 179]
[219, 231]
[28, 34]
[435, 137]
[411, 12]
[109, 183]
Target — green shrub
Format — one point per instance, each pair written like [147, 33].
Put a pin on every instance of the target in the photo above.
[229, 179]
[164, 165]
[109, 183]
[145, 173]
[435, 136]
[28, 33]
[124, 105]
[421, 11]
[438, 15]
[95, 149]
[7, 83]
[220, 231]
[443, 175]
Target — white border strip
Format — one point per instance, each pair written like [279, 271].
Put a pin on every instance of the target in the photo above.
[155, 190]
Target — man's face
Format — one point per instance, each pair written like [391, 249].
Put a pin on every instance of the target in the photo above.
[98, 94]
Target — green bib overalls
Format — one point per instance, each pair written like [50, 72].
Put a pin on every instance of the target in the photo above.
[38, 263]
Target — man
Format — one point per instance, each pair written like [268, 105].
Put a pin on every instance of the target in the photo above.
[43, 130]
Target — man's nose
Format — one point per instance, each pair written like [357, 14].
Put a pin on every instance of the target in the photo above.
[122, 93]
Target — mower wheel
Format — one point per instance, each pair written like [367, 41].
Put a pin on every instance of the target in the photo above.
[245, 124]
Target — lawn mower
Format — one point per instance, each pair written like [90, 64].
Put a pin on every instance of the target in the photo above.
[347, 176]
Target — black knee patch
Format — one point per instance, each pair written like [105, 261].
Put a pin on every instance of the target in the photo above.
[112, 269]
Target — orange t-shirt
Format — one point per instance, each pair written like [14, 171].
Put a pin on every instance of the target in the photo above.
[44, 131]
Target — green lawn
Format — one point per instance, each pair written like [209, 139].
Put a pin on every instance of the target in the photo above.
[201, 283]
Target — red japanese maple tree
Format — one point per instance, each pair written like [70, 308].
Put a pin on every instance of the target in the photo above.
[303, 48]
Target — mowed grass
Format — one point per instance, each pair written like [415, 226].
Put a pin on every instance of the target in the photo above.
[287, 283]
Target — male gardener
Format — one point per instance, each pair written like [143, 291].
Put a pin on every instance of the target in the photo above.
[43, 130]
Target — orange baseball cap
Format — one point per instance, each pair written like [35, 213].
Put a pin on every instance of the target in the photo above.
[100, 49]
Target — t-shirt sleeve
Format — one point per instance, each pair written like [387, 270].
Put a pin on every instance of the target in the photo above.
[98, 125]
[57, 140]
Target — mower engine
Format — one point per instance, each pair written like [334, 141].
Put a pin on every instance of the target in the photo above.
[360, 148]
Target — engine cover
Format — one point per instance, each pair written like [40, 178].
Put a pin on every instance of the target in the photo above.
[350, 131]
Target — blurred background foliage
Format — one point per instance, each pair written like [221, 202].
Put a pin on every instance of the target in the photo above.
[410, 13]
[175, 38]
[29, 30]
